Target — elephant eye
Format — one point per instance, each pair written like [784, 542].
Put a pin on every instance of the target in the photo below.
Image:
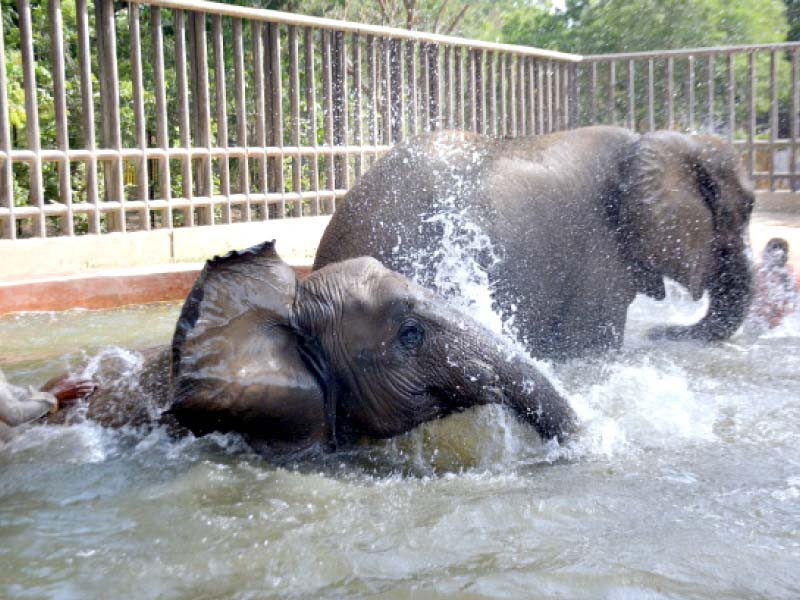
[411, 335]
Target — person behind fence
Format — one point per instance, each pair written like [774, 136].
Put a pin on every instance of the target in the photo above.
[20, 405]
[775, 292]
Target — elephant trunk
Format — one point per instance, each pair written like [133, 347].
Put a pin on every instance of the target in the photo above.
[730, 291]
[502, 377]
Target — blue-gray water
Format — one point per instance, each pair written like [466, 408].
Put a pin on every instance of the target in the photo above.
[684, 484]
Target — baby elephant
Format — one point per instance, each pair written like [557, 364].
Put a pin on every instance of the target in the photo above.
[354, 350]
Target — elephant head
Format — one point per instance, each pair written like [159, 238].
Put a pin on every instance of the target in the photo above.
[684, 214]
[353, 350]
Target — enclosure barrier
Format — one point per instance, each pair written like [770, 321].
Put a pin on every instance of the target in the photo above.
[177, 113]
[748, 94]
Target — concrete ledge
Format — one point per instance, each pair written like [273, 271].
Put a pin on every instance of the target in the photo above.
[297, 240]
[778, 202]
[103, 289]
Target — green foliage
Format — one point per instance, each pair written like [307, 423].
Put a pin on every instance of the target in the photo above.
[596, 27]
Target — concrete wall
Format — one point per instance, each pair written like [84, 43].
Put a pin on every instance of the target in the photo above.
[37, 258]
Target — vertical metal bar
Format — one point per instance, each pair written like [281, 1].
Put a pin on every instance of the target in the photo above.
[411, 80]
[530, 64]
[751, 124]
[795, 100]
[294, 108]
[261, 108]
[109, 95]
[276, 118]
[593, 94]
[557, 107]
[60, 105]
[311, 112]
[162, 133]
[690, 92]
[773, 116]
[549, 85]
[670, 94]
[201, 110]
[6, 169]
[397, 97]
[241, 116]
[138, 111]
[541, 67]
[340, 106]
[710, 92]
[434, 106]
[501, 68]
[611, 118]
[562, 86]
[183, 115]
[32, 112]
[270, 184]
[221, 97]
[511, 96]
[424, 88]
[731, 98]
[631, 95]
[358, 135]
[474, 114]
[521, 88]
[386, 90]
[87, 112]
[372, 74]
[492, 81]
[449, 101]
[651, 115]
[575, 96]
[327, 90]
[458, 83]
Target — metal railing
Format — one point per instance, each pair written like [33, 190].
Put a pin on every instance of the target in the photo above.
[748, 94]
[206, 133]
[176, 113]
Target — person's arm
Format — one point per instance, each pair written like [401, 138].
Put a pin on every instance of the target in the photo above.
[20, 405]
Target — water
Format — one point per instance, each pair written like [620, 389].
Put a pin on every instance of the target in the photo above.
[685, 483]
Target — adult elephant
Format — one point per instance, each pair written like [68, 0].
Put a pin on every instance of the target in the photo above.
[352, 350]
[578, 222]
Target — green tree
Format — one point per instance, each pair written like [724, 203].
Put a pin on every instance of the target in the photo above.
[628, 26]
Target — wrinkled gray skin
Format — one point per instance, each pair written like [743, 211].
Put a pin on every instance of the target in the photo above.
[353, 350]
[580, 221]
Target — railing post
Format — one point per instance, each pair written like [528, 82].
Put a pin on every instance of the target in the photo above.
[138, 112]
[162, 133]
[631, 95]
[6, 168]
[184, 127]
[60, 105]
[411, 80]
[651, 118]
[109, 99]
[710, 92]
[358, 138]
[396, 79]
[795, 108]
[36, 194]
[241, 118]
[432, 74]
[275, 116]
[311, 111]
[221, 97]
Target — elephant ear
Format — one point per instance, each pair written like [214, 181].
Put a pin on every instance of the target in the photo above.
[667, 213]
[236, 359]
